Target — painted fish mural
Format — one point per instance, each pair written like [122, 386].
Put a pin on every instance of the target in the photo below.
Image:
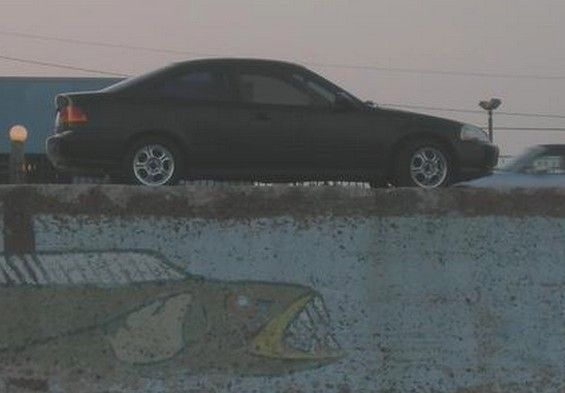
[135, 312]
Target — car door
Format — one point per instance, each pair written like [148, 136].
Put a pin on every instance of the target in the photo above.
[270, 116]
[341, 136]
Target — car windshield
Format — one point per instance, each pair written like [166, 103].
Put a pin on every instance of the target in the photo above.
[523, 160]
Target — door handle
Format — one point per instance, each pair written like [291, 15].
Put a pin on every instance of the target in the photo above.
[262, 116]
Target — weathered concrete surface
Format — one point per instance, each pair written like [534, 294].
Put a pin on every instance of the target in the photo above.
[225, 289]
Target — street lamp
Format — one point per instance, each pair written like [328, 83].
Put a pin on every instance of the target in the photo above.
[18, 136]
[490, 106]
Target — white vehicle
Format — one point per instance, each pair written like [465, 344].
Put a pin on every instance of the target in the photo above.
[540, 166]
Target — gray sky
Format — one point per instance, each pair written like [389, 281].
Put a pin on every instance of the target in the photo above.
[521, 38]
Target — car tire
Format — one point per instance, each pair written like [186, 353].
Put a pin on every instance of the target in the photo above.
[153, 161]
[424, 164]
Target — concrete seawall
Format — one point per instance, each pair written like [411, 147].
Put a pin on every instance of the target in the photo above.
[283, 289]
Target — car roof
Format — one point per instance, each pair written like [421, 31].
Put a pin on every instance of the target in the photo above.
[558, 148]
[239, 61]
[181, 65]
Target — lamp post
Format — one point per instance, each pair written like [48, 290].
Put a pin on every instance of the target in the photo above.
[18, 136]
[490, 106]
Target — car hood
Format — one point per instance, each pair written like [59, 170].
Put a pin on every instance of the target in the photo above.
[409, 116]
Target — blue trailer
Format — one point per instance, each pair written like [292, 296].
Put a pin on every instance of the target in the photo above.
[29, 101]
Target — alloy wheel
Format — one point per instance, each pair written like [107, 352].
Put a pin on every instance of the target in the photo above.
[428, 167]
[153, 165]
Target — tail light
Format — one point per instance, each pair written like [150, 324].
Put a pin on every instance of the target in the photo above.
[71, 115]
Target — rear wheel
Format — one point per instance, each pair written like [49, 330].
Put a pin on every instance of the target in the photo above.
[153, 162]
[425, 164]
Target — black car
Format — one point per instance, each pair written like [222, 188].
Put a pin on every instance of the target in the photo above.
[257, 120]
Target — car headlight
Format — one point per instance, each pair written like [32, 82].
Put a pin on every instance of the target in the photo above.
[472, 133]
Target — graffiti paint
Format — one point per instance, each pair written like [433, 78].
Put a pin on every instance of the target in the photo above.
[108, 311]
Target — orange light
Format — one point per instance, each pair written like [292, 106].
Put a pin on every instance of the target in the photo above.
[18, 133]
[72, 115]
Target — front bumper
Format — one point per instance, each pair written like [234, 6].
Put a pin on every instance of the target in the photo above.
[476, 159]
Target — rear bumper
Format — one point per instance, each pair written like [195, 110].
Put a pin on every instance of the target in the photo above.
[62, 150]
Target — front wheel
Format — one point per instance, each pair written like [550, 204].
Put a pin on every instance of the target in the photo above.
[424, 164]
[153, 162]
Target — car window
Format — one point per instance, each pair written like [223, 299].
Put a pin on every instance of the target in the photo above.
[523, 161]
[329, 95]
[270, 89]
[196, 85]
[550, 164]
[322, 94]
